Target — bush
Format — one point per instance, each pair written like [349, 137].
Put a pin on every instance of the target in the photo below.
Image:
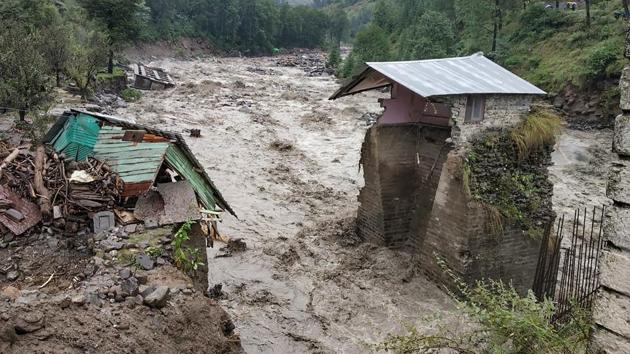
[602, 60]
[508, 323]
[130, 94]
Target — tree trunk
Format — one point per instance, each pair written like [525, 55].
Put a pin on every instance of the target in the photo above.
[557, 4]
[588, 13]
[495, 30]
[22, 114]
[110, 63]
[626, 11]
[38, 183]
[58, 78]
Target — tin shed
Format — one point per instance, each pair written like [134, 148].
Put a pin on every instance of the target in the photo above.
[139, 155]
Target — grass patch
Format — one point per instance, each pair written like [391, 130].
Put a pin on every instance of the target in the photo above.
[536, 132]
[118, 72]
[131, 94]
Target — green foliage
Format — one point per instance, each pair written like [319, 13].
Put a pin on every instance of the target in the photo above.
[186, 258]
[89, 55]
[25, 84]
[154, 251]
[334, 57]
[131, 95]
[431, 37]
[55, 46]
[511, 190]
[348, 66]
[507, 323]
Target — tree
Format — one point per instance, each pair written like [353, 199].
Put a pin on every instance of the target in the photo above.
[55, 47]
[89, 54]
[626, 11]
[334, 57]
[371, 44]
[588, 12]
[25, 85]
[431, 37]
[121, 18]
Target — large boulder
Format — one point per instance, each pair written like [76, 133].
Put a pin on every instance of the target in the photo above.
[617, 227]
[158, 297]
[621, 138]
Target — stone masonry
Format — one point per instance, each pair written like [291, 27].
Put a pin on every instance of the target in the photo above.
[611, 313]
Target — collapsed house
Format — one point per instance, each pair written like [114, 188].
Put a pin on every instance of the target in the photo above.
[158, 181]
[149, 78]
[414, 195]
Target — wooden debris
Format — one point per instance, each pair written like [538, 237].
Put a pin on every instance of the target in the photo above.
[9, 159]
[38, 183]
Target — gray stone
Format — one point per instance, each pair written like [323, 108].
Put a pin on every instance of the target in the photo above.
[605, 342]
[13, 275]
[129, 287]
[79, 300]
[611, 312]
[619, 183]
[158, 297]
[145, 262]
[624, 89]
[617, 227]
[29, 322]
[124, 273]
[142, 277]
[65, 302]
[615, 271]
[151, 223]
[94, 299]
[103, 221]
[146, 290]
[109, 245]
[131, 228]
[621, 137]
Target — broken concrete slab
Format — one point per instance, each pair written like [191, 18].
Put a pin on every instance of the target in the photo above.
[618, 188]
[617, 227]
[615, 271]
[103, 221]
[180, 203]
[621, 137]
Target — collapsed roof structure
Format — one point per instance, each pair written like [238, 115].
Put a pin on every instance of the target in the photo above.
[145, 160]
[150, 78]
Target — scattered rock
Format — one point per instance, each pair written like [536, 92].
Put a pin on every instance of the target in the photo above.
[124, 273]
[79, 300]
[216, 291]
[13, 275]
[93, 299]
[145, 262]
[29, 322]
[109, 245]
[65, 302]
[129, 287]
[142, 278]
[158, 297]
[7, 333]
[621, 137]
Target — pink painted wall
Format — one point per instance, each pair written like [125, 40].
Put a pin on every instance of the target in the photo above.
[407, 107]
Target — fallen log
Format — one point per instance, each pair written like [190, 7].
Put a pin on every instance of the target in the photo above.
[38, 183]
[8, 160]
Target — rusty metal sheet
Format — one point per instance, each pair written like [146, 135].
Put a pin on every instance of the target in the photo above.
[31, 212]
[180, 203]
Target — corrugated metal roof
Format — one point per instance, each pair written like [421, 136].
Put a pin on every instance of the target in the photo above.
[133, 162]
[474, 74]
[176, 158]
[139, 160]
[77, 138]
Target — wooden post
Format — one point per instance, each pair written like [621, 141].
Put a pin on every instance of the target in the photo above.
[8, 160]
[38, 183]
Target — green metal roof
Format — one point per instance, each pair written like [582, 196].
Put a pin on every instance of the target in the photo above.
[176, 159]
[133, 162]
[77, 138]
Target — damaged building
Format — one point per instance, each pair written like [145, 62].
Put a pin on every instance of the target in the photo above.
[150, 78]
[416, 195]
[158, 181]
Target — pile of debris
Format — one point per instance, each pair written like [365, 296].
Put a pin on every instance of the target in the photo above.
[43, 185]
[314, 63]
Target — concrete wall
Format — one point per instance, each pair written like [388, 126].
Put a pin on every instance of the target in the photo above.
[501, 111]
[611, 311]
[457, 233]
[402, 165]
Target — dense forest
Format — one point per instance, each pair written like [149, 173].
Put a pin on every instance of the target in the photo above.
[547, 43]
[74, 39]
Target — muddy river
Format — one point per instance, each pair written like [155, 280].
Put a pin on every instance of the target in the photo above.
[286, 159]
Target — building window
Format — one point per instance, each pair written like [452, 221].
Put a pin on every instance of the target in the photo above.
[475, 108]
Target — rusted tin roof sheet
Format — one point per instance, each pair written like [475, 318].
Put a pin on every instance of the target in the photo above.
[474, 74]
[32, 214]
[154, 74]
